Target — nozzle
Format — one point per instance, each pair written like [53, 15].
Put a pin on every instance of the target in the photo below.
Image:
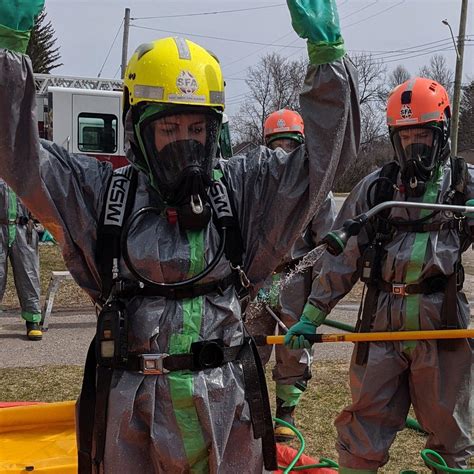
[336, 240]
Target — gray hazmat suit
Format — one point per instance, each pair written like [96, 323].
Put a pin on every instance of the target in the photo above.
[290, 291]
[183, 421]
[19, 244]
[437, 382]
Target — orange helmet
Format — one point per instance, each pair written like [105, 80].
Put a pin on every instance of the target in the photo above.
[418, 117]
[416, 102]
[283, 123]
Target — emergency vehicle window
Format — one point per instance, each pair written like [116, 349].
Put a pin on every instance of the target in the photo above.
[97, 133]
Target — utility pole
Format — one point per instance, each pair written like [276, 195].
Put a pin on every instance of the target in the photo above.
[126, 28]
[458, 78]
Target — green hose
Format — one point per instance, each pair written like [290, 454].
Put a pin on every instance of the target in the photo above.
[291, 467]
[439, 463]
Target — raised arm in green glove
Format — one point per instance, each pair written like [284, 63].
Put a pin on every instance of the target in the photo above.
[318, 22]
[17, 18]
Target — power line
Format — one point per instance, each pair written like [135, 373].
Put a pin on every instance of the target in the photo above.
[401, 54]
[258, 50]
[422, 54]
[217, 12]
[389, 51]
[360, 9]
[232, 40]
[110, 49]
[375, 14]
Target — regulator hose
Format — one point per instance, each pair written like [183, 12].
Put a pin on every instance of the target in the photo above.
[173, 285]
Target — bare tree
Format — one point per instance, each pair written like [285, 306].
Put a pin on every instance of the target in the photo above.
[274, 83]
[398, 76]
[371, 78]
[439, 71]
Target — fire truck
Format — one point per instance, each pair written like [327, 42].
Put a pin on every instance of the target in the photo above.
[83, 115]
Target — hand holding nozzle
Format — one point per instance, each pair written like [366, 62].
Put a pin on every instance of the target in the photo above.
[336, 240]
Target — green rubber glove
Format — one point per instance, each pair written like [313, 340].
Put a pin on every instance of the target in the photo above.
[470, 203]
[318, 22]
[17, 18]
[309, 322]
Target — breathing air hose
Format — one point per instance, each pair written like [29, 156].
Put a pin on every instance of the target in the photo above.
[174, 285]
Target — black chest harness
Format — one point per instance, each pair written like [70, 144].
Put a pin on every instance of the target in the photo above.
[381, 231]
[109, 349]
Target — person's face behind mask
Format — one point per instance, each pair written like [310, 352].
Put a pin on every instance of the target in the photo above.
[287, 144]
[416, 149]
[181, 148]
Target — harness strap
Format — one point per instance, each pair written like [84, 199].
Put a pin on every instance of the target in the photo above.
[21, 220]
[128, 288]
[119, 200]
[157, 364]
[449, 310]
[434, 284]
[104, 380]
[85, 419]
[256, 394]
[365, 322]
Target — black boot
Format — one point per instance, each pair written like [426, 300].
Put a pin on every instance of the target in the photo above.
[282, 433]
[33, 331]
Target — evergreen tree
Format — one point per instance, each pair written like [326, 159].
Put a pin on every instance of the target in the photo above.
[41, 48]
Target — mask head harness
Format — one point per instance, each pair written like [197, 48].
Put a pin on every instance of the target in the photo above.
[419, 116]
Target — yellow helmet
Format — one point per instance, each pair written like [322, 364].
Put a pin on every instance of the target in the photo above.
[173, 71]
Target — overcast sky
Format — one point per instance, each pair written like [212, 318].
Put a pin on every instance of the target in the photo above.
[86, 29]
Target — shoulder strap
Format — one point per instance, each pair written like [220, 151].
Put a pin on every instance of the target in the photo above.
[226, 216]
[459, 180]
[117, 206]
[384, 189]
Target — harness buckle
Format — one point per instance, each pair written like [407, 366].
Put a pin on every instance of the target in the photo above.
[399, 289]
[244, 281]
[152, 364]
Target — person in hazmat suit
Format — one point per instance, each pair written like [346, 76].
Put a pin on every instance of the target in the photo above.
[289, 290]
[175, 386]
[19, 244]
[410, 260]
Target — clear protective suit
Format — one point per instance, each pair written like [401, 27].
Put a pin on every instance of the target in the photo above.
[19, 244]
[437, 382]
[183, 421]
